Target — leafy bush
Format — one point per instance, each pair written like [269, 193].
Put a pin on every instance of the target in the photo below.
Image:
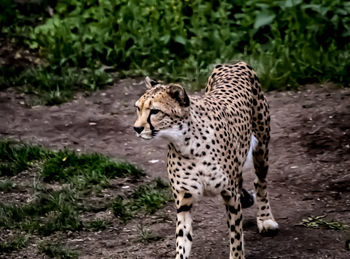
[287, 41]
[18, 17]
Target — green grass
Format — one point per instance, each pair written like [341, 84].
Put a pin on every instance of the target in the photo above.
[83, 170]
[15, 158]
[319, 222]
[64, 184]
[96, 225]
[7, 185]
[81, 173]
[149, 198]
[64, 165]
[57, 251]
[48, 213]
[146, 235]
[53, 85]
[13, 243]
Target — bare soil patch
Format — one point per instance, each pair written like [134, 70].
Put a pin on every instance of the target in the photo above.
[309, 173]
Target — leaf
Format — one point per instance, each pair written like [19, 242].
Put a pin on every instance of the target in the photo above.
[291, 3]
[180, 39]
[265, 17]
[165, 38]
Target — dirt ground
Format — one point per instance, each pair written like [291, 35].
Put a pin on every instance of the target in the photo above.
[309, 172]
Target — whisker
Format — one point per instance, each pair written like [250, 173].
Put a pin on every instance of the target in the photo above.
[154, 132]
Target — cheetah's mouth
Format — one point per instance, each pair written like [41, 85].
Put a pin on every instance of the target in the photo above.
[147, 134]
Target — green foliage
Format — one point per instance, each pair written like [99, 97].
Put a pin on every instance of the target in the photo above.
[13, 243]
[57, 251]
[14, 158]
[319, 222]
[17, 18]
[288, 41]
[149, 197]
[52, 83]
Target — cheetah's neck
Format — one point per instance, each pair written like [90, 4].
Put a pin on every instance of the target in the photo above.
[186, 135]
[177, 135]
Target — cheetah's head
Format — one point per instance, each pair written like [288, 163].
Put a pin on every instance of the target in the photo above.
[160, 108]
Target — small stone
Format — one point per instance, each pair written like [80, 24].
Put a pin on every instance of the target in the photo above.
[153, 161]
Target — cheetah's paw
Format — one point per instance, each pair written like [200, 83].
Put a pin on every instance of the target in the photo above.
[267, 227]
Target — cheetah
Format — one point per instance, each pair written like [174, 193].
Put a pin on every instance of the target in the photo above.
[211, 139]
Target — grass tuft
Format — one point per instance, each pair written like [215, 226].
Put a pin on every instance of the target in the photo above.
[149, 197]
[120, 207]
[48, 213]
[146, 235]
[55, 85]
[96, 225]
[57, 251]
[13, 243]
[15, 157]
[319, 222]
[85, 171]
[7, 185]
[64, 165]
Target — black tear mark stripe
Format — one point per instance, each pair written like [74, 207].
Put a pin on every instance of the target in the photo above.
[149, 122]
[154, 82]
[184, 208]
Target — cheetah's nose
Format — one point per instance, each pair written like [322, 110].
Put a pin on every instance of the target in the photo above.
[138, 129]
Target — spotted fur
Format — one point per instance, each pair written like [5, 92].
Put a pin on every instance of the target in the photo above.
[209, 142]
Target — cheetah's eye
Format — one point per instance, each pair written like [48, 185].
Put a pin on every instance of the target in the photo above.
[154, 111]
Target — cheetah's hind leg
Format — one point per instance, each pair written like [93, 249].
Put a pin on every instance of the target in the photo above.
[267, 225]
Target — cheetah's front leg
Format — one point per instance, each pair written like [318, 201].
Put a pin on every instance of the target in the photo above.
[234, 223]
[184, 225]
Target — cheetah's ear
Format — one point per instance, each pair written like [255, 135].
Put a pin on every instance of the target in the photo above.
[178, 93]
[150, 83]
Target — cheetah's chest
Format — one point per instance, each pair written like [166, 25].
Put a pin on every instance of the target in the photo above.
[214, 181]
[198, 177]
